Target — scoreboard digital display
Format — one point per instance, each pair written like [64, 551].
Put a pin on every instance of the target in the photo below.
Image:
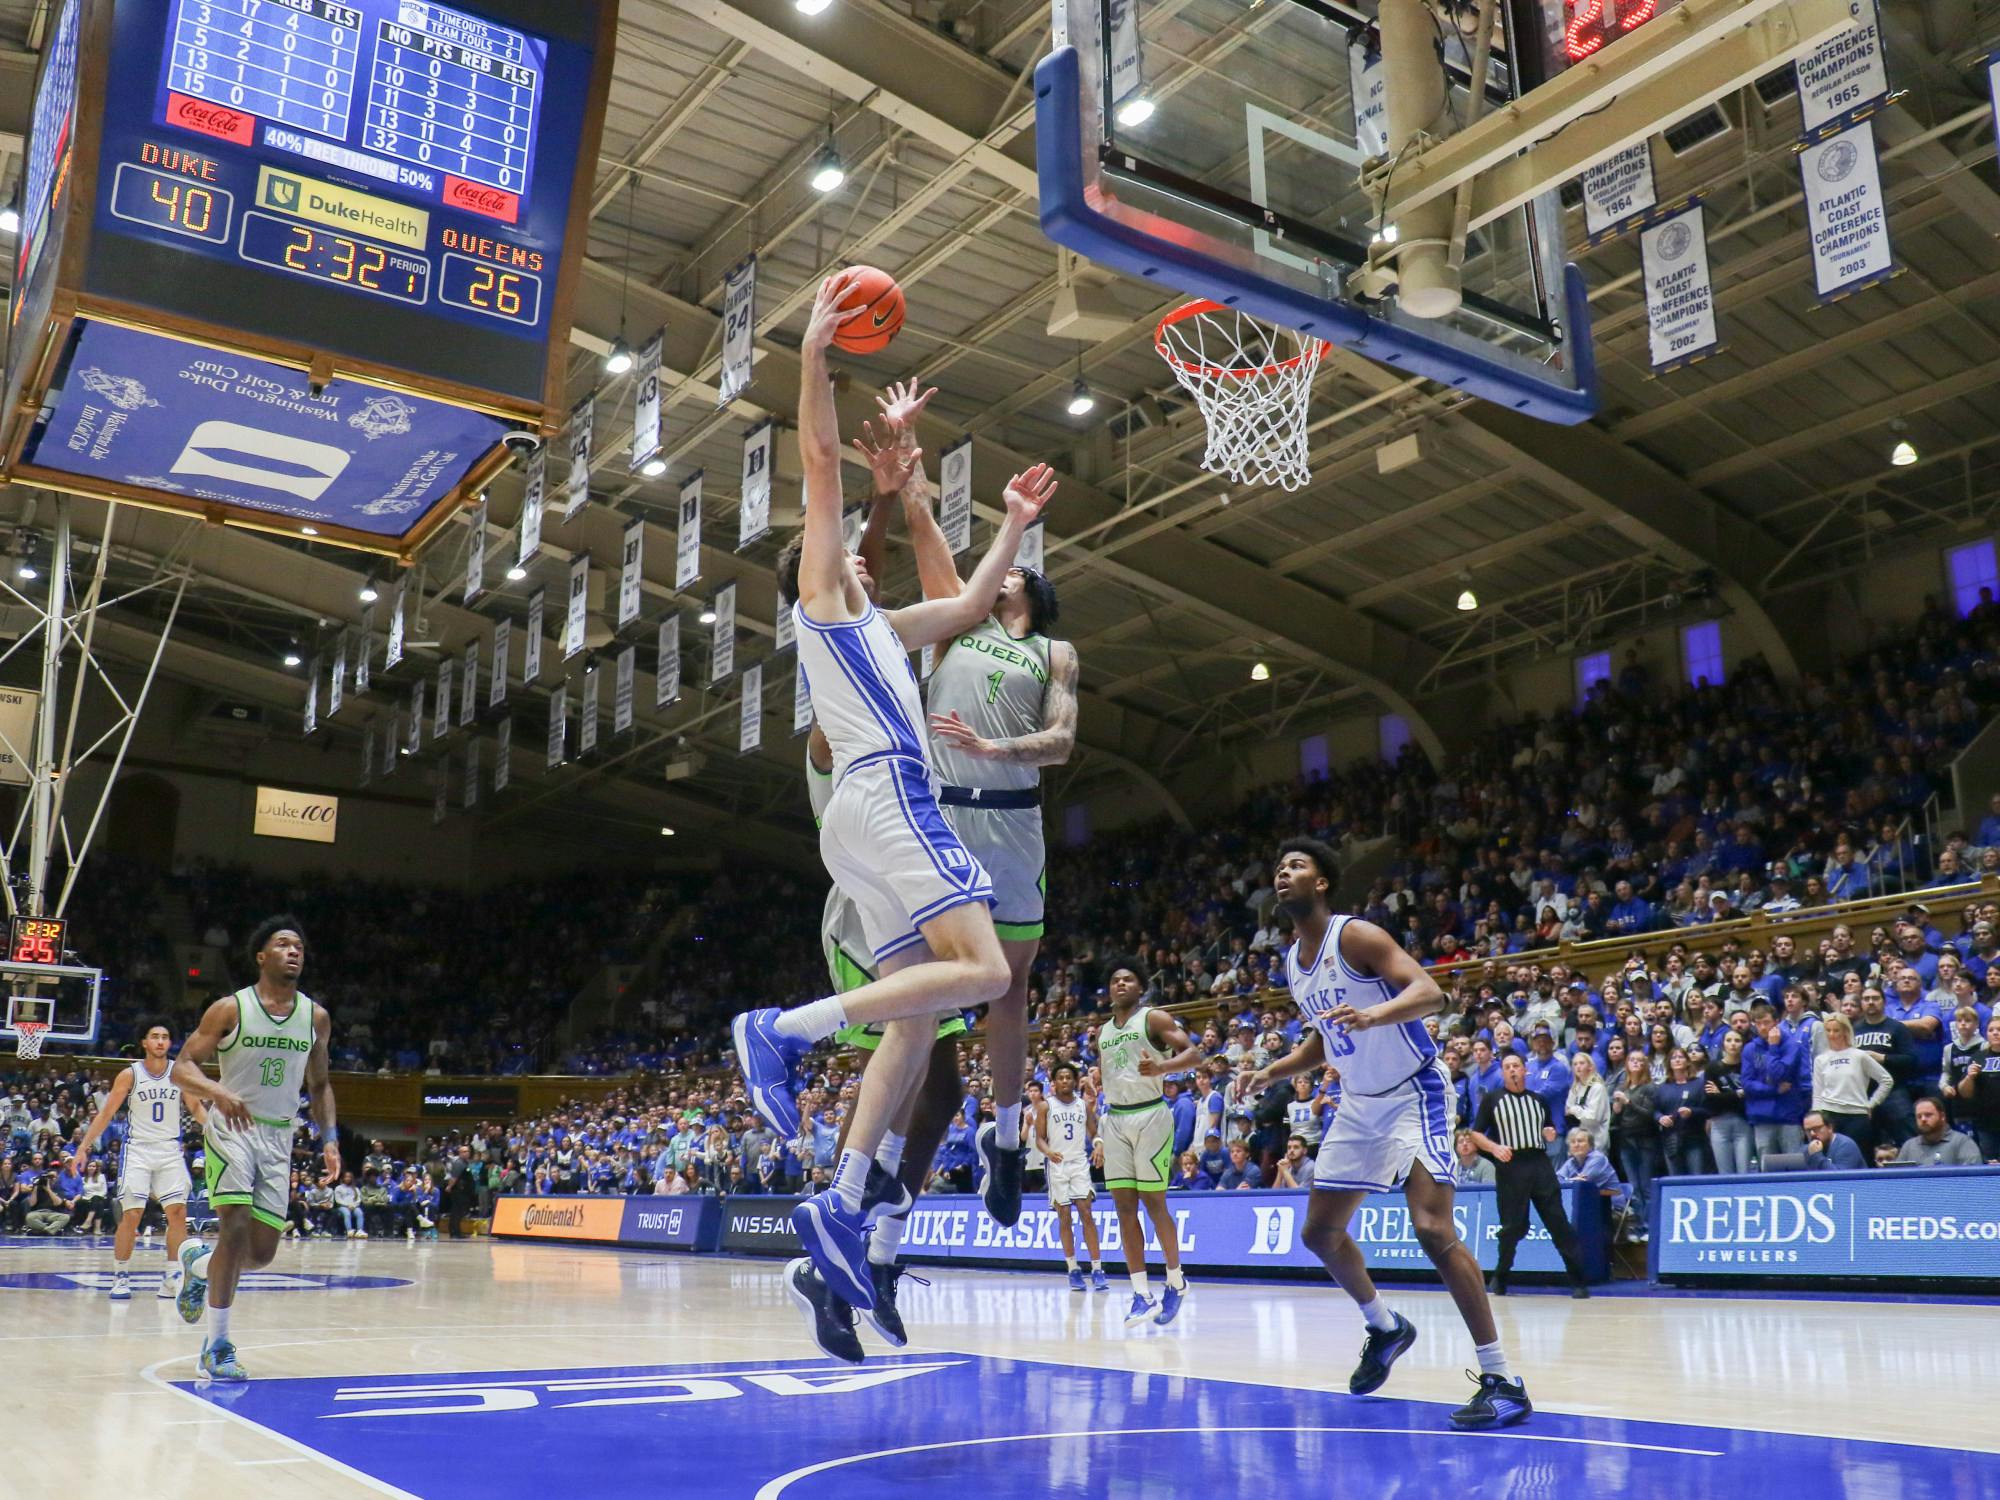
[36, 940]
[392, 179]
[1568, 32]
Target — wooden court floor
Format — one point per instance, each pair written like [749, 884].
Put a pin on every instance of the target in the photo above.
[497, 1370]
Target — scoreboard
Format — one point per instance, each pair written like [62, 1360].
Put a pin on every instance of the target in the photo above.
[1557, 35]
[345, 226]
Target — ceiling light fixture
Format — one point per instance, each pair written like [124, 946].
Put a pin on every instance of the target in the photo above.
[1905, 452]
[829, 171]
[708, 617]
[811, 7]
[1134, 111]
[369, 593]
[1467, 600]
[1260, 673]
[619, 358]
[653, 467]
[516, 573]
[10, 219]
[666, 833]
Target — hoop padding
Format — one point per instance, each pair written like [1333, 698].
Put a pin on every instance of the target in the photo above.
[28, 1038]
[1252, 381]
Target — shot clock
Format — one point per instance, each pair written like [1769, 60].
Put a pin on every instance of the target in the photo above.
[36, 940]
[1560, 34]
[361, 209]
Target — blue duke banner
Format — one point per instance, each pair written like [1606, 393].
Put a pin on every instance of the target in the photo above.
[687, 540]
[760, 446]
[631, 566]
[1680, 297]
[1935, 1225]
[1846, 213]
[165, 415]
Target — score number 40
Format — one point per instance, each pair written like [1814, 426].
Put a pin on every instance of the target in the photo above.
[189, 208]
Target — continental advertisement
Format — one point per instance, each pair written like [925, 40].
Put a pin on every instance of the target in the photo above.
[560, 1218]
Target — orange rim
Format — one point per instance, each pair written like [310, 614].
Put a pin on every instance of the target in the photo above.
[1314, 348]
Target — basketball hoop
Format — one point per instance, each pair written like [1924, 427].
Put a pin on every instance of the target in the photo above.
[1252, 381]
[28, 1038]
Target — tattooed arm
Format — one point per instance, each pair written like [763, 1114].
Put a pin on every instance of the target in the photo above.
[1048, 746]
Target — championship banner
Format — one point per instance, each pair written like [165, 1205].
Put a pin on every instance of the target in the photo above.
[739, 329]
[503, 755]
[415, 741]
[1846, 76]
[367, 754]
[1370, 93]
[440, 789]
[802, 703]
[578, 607]
[1845, 212]
[475, 552]
[338, 681]
[503, 640]
[750, 729]
[441, 723]
[364, 661]
[760, 449]
[722, 644]
[1619, 191]
[1680, 299]
[586, 732]
[469, 793]
[582, 429]
[395, 652]
[531, 643]
[312, 695]
[621, 695]
[1032, 542]
[667, 674]
[536, 478]
[955, 494]
[558, 724]
[687, 542]
[646, 407]
[468, 687]
[632, 555]
[787, 627]
[392, 736]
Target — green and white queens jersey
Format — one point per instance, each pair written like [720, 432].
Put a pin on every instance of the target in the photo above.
[1119, 1049]
[996, 684]
[264, 1060]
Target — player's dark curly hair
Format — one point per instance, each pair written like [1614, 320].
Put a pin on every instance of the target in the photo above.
[1062, 1068]
[155, 1023]
[1319, 852]
[1043, 611]
[270, 927]
[788, 567]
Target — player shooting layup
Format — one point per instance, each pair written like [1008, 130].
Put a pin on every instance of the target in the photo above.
[1366, 999]
[152, 1164]
[924, 902]
[273, 1043]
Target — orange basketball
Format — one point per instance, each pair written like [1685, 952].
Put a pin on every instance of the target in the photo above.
[877, 304]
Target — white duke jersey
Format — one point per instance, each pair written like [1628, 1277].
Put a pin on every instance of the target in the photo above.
[153, 1109]
[864, 691]
[1068, 1128]
[1374, 1061]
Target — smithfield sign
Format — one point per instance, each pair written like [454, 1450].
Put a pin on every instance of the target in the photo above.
[296, 815]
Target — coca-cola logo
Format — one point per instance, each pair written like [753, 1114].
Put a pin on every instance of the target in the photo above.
[210, 118]
[476, 197]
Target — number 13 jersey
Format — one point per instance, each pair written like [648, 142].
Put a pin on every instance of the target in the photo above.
[1374, 1061]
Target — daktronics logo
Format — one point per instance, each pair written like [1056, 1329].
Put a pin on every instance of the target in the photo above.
[539, 1216]
[1751, 1228]
[477, 198]
[211, 118]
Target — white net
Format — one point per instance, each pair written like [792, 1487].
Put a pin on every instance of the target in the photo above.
[1252, 381]
[28, 1038]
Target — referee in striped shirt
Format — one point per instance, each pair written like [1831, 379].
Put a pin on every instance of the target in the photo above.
[1514, 1127]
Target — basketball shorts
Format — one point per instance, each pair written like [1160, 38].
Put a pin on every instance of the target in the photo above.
[157, 1170]
[250, 1167]
[1008, 841]
[1374, 1138]
[1069, 1179]
[888, 847]
[1138, 1146]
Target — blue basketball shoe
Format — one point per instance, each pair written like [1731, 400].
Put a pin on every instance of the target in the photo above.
[768, 1061]
[836, 1238]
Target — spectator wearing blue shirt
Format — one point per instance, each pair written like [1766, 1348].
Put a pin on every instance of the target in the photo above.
[1214, 1160]
[955, 1155]
[1846, 876]
[1242, 1173]
[1905, 1002]
[1916, 952]
[1989, 826]
[826, 1137]
[1777, 1086]
[1181, 1106]
[1630, 914]
[1583, 1162]
[1827, 1150]
[1549, 1077]
[1189, 1177]
[1483, 1077]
